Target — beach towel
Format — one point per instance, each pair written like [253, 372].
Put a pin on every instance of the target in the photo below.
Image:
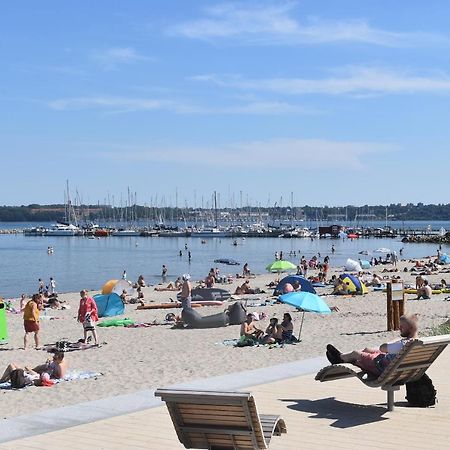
[116, 323]
[70, 346]
[147, 324]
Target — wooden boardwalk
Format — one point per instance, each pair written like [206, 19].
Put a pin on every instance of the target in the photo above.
[335, 415]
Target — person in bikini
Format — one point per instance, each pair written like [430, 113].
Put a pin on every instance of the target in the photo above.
[273, 332]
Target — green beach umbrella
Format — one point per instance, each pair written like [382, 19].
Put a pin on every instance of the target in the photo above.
[280, 265]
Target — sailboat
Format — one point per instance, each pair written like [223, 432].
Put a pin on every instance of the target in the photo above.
[214, 231]
[66, 228]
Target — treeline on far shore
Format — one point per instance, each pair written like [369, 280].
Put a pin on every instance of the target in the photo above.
[398, 212]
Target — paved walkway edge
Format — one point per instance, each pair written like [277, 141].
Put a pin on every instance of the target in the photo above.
[56, 419]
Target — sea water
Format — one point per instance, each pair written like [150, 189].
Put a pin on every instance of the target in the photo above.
[80, 262]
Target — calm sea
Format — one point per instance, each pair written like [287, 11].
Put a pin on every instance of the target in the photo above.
[79, 262]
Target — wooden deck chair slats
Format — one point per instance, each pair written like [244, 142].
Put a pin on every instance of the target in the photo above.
[409, 365]
[219, 420]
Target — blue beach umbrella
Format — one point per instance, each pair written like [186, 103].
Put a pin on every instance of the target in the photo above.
[306, 302]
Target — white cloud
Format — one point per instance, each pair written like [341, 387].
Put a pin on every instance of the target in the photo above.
[356, 80]
[116, 104]
[111, 57]
[275, 24]
[125, 104]
[271, 154]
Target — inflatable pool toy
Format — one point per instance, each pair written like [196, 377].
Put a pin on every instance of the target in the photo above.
[3, 323]
[208, 294]
[434, 291]
[116, 323]
[194, 320]
[237, 313]
[234, 315]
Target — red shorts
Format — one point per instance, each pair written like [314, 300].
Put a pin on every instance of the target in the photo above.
[367, 362]
[30, 326]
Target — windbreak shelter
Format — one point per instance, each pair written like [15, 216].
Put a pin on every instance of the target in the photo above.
[118, 286]
[305, 285]
[355, 285]
[444, 259]
[109, 305]
[352, 265]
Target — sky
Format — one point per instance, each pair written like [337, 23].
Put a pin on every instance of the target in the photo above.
[322, 102]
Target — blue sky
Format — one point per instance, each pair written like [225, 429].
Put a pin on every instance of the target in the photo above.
[338, 102]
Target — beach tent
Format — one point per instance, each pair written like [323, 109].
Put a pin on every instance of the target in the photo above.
[109, 305]
[352, 265]
[305, 284]
[355, 286]
[444, 259]
[118, 286]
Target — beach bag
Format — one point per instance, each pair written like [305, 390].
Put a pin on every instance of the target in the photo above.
[88, 323]
[246, 341]
[421, 393]
[17, 378]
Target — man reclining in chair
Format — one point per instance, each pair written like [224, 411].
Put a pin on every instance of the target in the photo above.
[374, 361]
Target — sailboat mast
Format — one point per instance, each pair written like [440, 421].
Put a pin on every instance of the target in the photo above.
[215, 208]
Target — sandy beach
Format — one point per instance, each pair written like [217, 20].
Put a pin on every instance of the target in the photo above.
[132, 359]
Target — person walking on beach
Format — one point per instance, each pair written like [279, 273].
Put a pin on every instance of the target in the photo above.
[52, 286]
[31, 319]
[164, 271]
[186, 291]
[124, 275]
[88, 315]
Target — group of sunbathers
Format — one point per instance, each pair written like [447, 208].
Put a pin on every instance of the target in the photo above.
[275, 332]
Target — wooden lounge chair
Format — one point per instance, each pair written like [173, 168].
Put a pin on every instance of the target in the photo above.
[219, 420]
[409, 365]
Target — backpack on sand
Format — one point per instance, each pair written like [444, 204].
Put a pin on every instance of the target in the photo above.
[17, 379]
[421, 393]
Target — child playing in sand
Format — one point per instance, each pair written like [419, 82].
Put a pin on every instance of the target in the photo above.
[88, 315]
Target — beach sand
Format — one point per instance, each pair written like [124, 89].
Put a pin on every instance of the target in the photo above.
[133, 359]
